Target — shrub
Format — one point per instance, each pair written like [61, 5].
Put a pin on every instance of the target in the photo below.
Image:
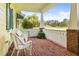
[41, 35]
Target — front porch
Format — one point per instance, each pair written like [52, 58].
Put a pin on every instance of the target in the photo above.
[49, 47]
[43, 47]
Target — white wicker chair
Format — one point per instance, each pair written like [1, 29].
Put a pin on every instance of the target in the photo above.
[19, 43]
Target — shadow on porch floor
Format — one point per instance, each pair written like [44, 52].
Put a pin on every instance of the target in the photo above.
[43, 47]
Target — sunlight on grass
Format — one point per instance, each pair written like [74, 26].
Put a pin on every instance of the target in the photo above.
[51, 28]
[56, 28]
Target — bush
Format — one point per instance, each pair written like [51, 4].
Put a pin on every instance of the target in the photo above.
[41, 35]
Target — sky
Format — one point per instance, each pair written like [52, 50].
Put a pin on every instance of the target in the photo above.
[59, 12]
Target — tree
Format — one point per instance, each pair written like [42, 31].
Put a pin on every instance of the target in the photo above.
[27, 24]
[30, 21]
[55, 23]
[34, 19]
[64, 23]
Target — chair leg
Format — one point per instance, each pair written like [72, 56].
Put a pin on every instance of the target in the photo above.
[17, 52]
[13, 51]
[25, 51]
[30, 52]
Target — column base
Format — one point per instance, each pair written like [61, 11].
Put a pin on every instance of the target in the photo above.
[73, 41]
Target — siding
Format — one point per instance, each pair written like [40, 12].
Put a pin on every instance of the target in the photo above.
[2, 18]
[4, 35]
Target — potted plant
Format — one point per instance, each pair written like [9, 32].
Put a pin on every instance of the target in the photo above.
[41, 34]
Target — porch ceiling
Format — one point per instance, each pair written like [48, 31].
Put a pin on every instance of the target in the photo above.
[34, 7]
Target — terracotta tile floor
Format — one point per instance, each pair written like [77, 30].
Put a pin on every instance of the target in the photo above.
[43, 47]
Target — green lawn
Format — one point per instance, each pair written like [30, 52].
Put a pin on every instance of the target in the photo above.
[52, 28]
[56, 28]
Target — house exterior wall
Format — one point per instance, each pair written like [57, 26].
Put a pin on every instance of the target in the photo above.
[5, 40]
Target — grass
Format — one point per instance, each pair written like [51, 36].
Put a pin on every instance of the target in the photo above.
[56, 28]
[52, 28]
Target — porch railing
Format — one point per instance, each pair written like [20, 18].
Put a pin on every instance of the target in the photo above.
[31, 32]
[57, 36]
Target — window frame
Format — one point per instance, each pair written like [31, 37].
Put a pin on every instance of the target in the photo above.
[9, 17]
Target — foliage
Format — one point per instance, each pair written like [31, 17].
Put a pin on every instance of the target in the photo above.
[55, 23]
[27, 24]
[30, 21]
[41, 35]
[34, 20]
[19, 16]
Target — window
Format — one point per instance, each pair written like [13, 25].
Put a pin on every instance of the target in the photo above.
[9, 17]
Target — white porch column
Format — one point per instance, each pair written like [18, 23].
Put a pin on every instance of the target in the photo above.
[73, 17]
[42, 25]
[73, 30]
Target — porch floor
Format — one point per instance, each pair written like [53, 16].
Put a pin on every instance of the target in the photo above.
[42, 47]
